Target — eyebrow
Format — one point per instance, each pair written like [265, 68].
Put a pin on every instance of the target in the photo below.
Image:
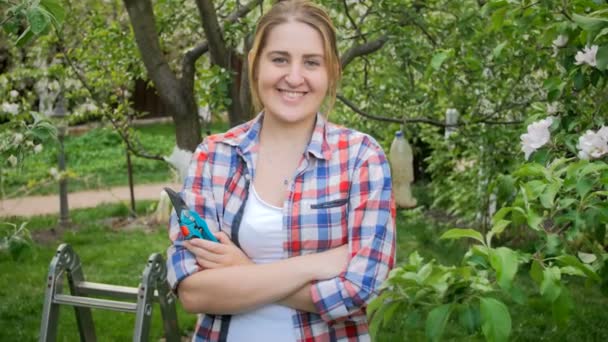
[285, 53]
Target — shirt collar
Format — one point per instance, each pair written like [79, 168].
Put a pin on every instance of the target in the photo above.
[246, 137]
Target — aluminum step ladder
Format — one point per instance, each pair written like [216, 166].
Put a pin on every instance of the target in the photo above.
[153, 287]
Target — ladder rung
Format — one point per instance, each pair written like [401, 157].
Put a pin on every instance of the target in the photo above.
[98, 289]
[95, 303]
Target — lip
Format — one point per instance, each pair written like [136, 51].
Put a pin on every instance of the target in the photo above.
[288, 95]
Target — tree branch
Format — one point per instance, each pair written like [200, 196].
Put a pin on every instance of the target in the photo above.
[188, 65]
[213, 32]
[193, 55]
[431, 122]
[146, 36]
[242, 11]
[139, 152]
[361, 50]
[352, 21]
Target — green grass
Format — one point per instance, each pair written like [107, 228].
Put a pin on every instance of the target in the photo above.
[118, 256]
[114, 256]
[96, 159]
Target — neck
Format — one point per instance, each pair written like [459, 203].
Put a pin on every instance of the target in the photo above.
[291, 136]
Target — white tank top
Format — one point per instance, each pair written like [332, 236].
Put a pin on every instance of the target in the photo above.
[261, 237]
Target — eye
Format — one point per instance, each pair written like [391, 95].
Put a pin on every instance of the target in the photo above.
[279, 60]
[312, 63]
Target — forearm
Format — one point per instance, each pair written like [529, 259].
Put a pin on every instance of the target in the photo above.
[237, 289]
[300, 300]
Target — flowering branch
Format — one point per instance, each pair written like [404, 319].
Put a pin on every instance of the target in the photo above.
[431, 122]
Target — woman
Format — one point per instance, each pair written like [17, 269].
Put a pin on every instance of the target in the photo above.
[302, 208]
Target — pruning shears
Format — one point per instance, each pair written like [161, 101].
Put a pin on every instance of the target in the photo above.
[190, 222]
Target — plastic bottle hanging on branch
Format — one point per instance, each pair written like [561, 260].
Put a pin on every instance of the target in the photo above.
[402, 171]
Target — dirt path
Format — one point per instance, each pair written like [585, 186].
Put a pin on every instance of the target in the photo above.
[42, 205]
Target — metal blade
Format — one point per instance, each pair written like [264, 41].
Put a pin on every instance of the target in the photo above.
[178, 203]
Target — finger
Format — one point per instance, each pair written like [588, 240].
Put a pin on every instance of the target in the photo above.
[204, 254]
[213, 247]
[223, 237]
[208, 264]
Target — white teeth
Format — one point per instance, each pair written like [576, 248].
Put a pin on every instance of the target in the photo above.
[292, 94]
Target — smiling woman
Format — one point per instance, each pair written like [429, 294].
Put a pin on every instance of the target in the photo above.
[302, 208]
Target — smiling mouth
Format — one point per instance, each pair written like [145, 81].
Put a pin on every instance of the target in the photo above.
[292, 94]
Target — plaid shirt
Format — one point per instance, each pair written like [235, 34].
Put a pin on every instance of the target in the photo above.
[341, 194]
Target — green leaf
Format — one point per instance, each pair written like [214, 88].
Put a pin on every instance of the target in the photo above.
[583, 186]
[438, 59]
[505, 262]
[602, 57]
[534, 220]
[55, 10]
[589, 23]
[496, 320]
[536, 272]
[593, 168]
[468, 318]
[547, 198]
[562, 307]
[550, 287]
[532, 170]
[498, 49]
[500, 226]
[458, 233]
[436, 321]
[390, 312]
[38, 20]
[569, 260]
[25, 37]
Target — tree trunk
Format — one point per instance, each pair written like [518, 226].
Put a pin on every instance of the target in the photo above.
[174, 92]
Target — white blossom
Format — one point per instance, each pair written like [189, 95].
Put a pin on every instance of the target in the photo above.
[487, 73]
[54, 173]
[560, 42]
[592, 144]
[12, 160]
[553, 108]
[90, 107]
[12, 108]
[54, 86]
[38, 148]
[464, 164]
[18, 138]
[538, 135]
[587, 56]
[14, 93]
[179, 159]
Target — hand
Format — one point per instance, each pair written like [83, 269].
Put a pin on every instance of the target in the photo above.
[217, 255]
[331, 263]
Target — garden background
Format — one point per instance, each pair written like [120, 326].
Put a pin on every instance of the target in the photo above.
[503, 102]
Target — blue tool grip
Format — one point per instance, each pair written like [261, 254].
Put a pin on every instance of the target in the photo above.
[197, 227]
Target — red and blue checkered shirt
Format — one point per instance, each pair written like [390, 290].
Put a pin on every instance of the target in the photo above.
[341, 195]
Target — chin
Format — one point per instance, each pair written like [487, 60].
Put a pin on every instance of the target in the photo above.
[291, 115]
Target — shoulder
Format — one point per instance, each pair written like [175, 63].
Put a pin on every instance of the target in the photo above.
[359, 145]
[225, 142]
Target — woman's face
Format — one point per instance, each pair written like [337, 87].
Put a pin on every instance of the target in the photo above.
[292, 76]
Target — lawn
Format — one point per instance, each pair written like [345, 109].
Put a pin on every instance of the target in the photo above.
[110, 252]
[116, 254]
[96, 159]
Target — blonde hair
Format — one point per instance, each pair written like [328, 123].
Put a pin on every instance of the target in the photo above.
[308, 13]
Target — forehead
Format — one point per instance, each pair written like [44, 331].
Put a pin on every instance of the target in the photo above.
[294, 37]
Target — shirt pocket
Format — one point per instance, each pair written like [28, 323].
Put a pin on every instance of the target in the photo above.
[326, 223]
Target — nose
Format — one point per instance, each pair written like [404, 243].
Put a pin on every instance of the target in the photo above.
[294, 77]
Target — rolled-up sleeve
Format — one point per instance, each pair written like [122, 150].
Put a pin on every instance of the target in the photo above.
[371, 240]
[197, 194]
